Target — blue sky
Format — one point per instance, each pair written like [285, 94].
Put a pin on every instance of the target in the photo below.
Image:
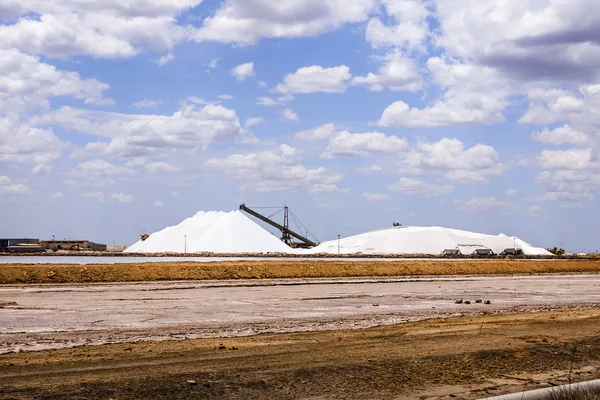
[122, 117]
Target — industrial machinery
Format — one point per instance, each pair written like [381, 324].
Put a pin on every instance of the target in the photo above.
[287, 235]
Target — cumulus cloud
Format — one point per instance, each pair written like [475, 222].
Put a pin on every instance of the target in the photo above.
[57, 195]
[243, 71]
[265, 101]
[291, 115]
[561, 135]
[375, 196]
[21, 143]
[99, 172]
[407, 28]
[246, 22]
[135, 135]
[363, 144]
[420, 188]
[159, 204]
[449, 156]
[321, 132]
[275, 170]
[486, 204]
[316, 79]
[119, 197]
[164, 60]
[110, 29]
[146, 103]
[471, 95]
[29, 83]
[7, 186]
[397, 73]
[254, 121]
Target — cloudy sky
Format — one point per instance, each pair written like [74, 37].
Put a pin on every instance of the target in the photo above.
[123, 116]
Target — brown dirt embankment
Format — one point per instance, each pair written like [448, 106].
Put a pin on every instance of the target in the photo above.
[69, 273]
[466, 358]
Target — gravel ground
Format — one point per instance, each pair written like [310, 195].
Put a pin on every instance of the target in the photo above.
[36, 317]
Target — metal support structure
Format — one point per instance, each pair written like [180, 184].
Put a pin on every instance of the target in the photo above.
[285, 230]
[285, 233]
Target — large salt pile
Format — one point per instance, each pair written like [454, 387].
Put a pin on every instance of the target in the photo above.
[212, 232]
[423, 240]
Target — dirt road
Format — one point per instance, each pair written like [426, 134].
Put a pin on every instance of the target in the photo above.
[467, 358]
[38, 317]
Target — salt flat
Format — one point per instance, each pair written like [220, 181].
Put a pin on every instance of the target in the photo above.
[52, 316]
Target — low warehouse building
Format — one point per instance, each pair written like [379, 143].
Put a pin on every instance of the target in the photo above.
[17, 245]
[73, 245]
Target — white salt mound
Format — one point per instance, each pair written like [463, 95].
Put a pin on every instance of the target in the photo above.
[422, 240]
[213, 232]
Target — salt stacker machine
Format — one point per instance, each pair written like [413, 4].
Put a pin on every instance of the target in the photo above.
[287, 235]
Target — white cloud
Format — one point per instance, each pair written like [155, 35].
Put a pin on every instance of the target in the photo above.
[396, 73]
[254, 121]
[289, 114]
[160, 166]
[213, 63]
[527, 40]
[409, 29]
[159, 204]
[561, 135]
[244, 22]
[26, 82]
[262, 84]
[146, 103]
[471, 95]
[100, 172]
[40, 169]
[572, 159]
[265, 101]
[475, 164]
[511, 192]
[569, 188]
[21, 143]
[122, 198]
[164, 60]
[321, 132]
[101, 29]
[486, 204]
[174, 194]
[7, 186]
[370, 170]
[420, 188]
[275, 170]
[225, 97]
[243, 71]
[536, 211]
[113, 198]
[375, 196]
[135, 135]
[57, 195]
[316, 79]
[363, 144]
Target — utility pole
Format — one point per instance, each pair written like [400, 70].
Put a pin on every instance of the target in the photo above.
[338, 244]
[184, 244]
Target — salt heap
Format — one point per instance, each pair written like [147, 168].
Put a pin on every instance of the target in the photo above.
[212, 232]
[423, 240]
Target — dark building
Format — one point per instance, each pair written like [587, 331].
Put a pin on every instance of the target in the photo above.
[72, 245]
[20, 245]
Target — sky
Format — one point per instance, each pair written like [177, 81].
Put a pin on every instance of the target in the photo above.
[122, 117]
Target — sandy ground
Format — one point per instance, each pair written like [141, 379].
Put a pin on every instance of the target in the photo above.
[460, 358]
[36, 317]
[64, 273]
